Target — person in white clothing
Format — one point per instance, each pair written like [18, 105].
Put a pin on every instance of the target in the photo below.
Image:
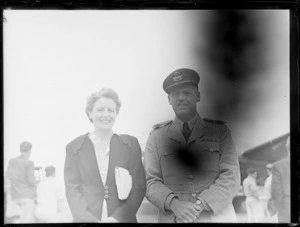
[253, 205]
[267, 196]
[49, 195]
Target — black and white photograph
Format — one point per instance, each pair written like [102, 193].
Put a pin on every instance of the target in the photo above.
[147, 116]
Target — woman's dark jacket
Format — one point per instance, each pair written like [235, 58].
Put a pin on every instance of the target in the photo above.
[84, 188]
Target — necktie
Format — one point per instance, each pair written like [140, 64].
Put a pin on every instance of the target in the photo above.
[186, 132]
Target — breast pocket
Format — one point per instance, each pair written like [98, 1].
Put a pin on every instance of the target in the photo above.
[208, 155]
[171, 164]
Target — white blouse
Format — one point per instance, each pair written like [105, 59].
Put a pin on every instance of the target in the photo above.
[102, 161]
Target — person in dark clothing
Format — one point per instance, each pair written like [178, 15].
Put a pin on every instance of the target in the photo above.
[20, 174]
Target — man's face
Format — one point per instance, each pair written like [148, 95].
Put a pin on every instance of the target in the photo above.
[27, 153]
[184, 101]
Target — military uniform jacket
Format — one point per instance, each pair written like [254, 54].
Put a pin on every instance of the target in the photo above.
[210, 170]
[84, 188]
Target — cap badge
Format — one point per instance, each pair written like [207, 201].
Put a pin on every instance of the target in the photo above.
[177, 76]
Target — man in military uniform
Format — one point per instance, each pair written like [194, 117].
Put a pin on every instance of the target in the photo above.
[191, 164]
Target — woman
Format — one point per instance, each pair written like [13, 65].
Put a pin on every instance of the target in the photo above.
[90, 164]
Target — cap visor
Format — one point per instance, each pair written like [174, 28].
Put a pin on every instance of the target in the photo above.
[187, 82]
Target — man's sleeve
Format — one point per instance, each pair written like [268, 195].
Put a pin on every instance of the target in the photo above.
[221, 193]
[157, 193]
[30, 174]
[276, 188]
[77, 202]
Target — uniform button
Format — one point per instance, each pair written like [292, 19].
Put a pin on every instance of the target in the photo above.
[194, 194]
[106, 196]
[198, 202]
[106, 187]
[106, 191]
[191, 177]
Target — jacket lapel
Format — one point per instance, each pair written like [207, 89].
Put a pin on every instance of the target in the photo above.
[116, 157]
[88, 159]
[198, 130]
[175, 133]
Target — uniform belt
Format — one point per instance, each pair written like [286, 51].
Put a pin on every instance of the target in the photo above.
[187, 188]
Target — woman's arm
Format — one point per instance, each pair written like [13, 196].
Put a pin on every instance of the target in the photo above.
[135, 198]
[75, 198]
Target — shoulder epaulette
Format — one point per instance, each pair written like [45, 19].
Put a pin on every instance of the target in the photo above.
[162, 124]
[214, 121]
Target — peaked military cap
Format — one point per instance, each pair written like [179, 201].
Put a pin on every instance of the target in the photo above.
[180, 77]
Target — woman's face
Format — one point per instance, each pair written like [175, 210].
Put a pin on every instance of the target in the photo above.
[104, 113]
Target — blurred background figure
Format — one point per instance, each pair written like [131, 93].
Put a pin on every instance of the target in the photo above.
[269, 213]
[21, 185]
[12, 211]
[281, 186]
[253, 205]
[49, 195]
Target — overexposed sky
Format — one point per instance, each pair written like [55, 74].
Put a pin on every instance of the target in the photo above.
[54, 59]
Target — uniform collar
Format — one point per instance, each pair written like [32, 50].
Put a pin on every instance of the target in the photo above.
[191, 123]
[175, 132]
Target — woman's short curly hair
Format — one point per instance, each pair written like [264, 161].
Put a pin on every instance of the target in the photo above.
[103, 93]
